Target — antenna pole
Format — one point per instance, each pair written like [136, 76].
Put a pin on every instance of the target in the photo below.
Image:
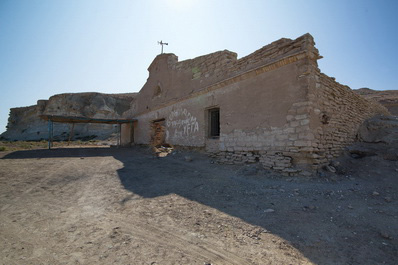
[162, 43]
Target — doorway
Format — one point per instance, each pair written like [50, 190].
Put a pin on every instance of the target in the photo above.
[158, 132]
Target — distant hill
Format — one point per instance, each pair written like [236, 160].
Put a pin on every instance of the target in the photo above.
[388, 98]
[25, 124]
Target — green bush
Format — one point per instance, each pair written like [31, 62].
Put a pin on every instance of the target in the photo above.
[2, 148]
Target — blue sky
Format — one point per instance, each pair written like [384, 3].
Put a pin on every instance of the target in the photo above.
[49, 47]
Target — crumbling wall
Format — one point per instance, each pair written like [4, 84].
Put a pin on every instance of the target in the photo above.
[263, 115]
[275, 106]
[275, 51]
[208, 65]
[337, 114]
[171, 81]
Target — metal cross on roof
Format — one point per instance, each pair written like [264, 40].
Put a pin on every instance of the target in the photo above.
[162, 43]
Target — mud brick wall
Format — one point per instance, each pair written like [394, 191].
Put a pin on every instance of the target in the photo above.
[208, 65]
[275, 51]
[276, 108]
[224, 64]
[338, 112]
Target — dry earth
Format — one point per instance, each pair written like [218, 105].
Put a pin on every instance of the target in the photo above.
[124, 206]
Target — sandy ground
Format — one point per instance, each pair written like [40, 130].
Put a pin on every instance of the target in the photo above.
[124, 206]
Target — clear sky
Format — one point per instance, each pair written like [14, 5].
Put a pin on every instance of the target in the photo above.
[49, 47]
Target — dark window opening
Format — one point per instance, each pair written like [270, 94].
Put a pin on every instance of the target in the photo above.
[214, 122]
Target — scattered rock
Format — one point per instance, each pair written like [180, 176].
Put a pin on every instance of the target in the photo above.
[391, 156]
[269, 210]
[330, 168]
[72, 229]
[358, 151]
[309, 208]
[385, 235]
[305, 173]
[375, 193]
[388, 199]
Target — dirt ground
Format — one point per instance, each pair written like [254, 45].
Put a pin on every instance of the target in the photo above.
[125, 206]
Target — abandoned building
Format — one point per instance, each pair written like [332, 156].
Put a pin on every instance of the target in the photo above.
[273, 106]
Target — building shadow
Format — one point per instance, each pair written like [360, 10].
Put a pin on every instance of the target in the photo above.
[287, 208]
[62, 152]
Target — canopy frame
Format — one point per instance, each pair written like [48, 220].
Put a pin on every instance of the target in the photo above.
[76, 119]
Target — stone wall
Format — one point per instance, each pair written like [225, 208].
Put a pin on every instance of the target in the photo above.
[224, 64]
[171, 81]
[262, 116]
[337, 113]
[276, 108]
[275, 51]
[208, 65]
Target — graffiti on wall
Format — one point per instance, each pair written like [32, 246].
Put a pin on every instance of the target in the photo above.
[180, 123]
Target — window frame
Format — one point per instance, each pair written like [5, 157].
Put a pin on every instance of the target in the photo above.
[213, 132]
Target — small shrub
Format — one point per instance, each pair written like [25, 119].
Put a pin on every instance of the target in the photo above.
[2, 148]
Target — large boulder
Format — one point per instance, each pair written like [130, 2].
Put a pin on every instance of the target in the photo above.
[379, 129]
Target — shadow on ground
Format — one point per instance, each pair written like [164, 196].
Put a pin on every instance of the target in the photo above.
[330, 221]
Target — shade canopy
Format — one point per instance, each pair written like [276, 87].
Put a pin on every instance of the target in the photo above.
[73, 119]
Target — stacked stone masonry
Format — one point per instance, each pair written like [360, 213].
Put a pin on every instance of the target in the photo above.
[341, 113]
[224, 64]
[276, 107]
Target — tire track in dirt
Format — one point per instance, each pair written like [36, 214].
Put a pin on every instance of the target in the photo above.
[18, 232]
[57, 170]
[206, 251]
[13, 232]
[137, 228]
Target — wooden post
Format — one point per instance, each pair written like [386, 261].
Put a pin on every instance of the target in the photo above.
[50, 133]
[131, 133]
[120, 134]
[71, 133]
